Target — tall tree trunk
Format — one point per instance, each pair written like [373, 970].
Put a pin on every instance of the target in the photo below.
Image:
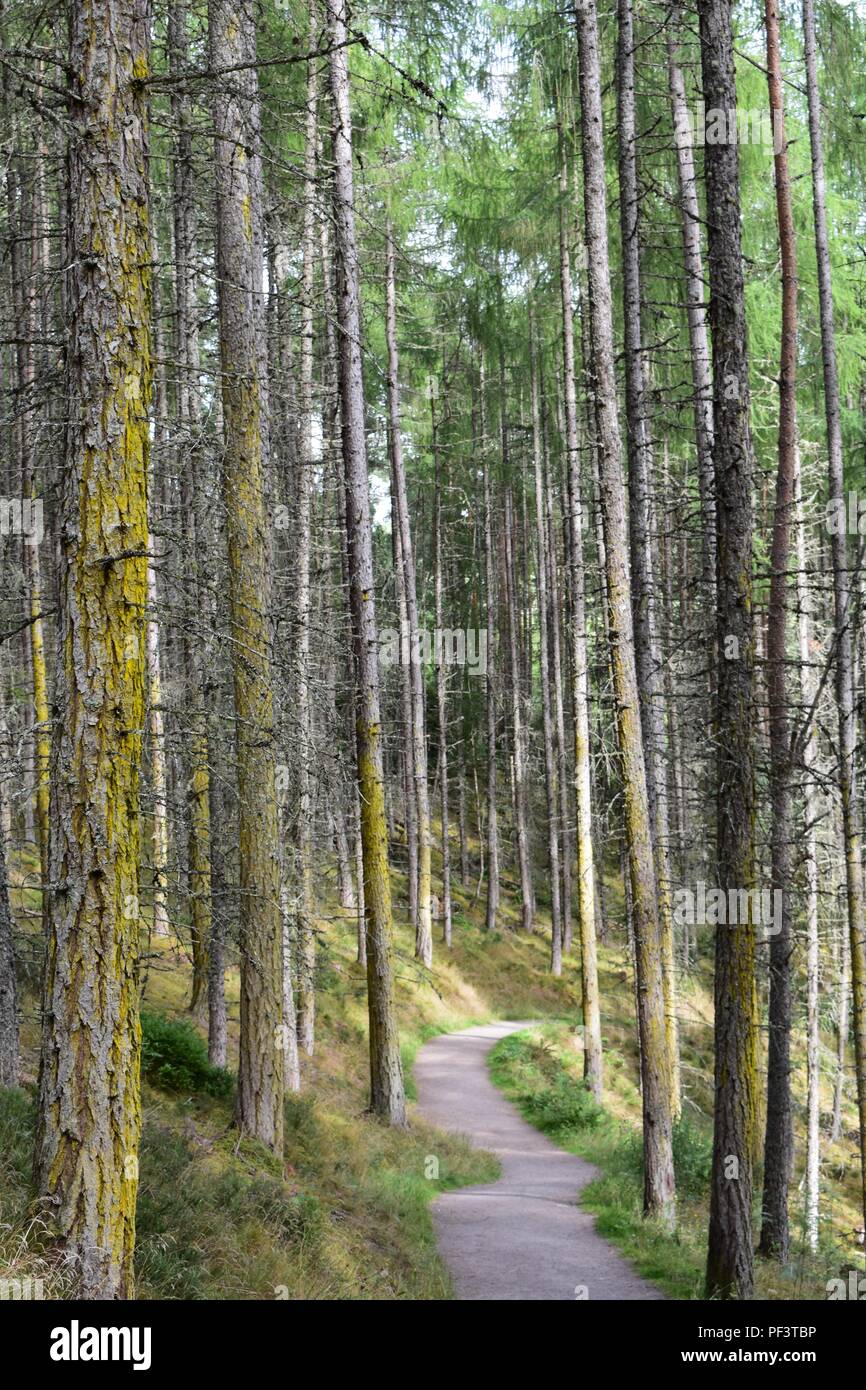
[244, 474]
[441, 677]
[156, 720]
[812, 815]
[556, 657]
[23, 211]
[730, 1264]
[217, 1022]
[189, 465]
[518, 719]
[400, 507]
[89, 1119]
[779, 1137]
[491, 692]
[551, 785]
[8, 987]
[156, 729]
[302, 810]
[648, 662]
[702, 383]
[387, 1098]
[842, 593]
[657, 1087]
[592, 1056]
[842, 1030]
[524, 862]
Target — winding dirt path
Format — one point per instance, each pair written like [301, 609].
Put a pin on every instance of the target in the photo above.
[523, 1236]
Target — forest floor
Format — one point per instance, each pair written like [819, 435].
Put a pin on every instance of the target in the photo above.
[347, 1214]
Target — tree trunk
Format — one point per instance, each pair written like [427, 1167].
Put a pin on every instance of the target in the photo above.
[189, 466]
[812, 815]
[89, 1119]
[417, 750]
[730, 1263]
[842, 594]
[8, 986]
[387, 1098]
[244, 474]
[441, 679]
[491, 694]
[648, 662]
[779, 1136]
[592, 1055]
[551, 784]
[302, 810]
[702, 383]
[657, 1091]
[524, 863]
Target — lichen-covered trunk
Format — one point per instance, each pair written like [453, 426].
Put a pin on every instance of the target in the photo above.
[156, 731]
[89, 1119]
[387, 1096]
[779, 1135]
[729, 1260]
[842, 594]
[244, 472]
[656, 1077]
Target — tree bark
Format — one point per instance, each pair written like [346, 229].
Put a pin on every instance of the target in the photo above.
[592, 1054]
[189, 466]
[551, 784]
[89, 1116]
[657, 1088]
[302, 811]
[244, 473]
[779, 1136]
[441, 677]
[9, 1034]
[648, 662]
[491, 691]
[387, 1099]
[812, 815]
[729, 1262]
[842, 594]
[702, 383]
[417, 749]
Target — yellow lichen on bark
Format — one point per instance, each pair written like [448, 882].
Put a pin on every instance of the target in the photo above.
[89, 1104]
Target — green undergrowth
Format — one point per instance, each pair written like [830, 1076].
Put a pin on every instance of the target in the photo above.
[347, 1213]
[540, 1071]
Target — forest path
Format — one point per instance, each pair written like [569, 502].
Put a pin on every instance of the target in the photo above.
[523, 1236]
